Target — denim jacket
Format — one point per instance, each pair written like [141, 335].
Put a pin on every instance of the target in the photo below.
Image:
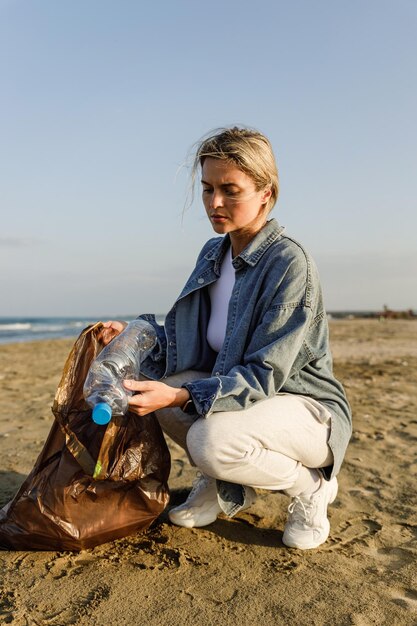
[276, 335]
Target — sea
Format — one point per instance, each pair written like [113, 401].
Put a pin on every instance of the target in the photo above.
[22, 329]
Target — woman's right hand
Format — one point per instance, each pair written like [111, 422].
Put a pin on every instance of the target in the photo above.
[110, 330]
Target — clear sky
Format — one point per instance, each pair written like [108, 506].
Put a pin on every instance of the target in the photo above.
[100, 102]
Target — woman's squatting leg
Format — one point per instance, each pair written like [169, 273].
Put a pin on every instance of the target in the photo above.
[275, 444]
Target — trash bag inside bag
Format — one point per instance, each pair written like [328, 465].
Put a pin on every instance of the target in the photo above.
[90, 484]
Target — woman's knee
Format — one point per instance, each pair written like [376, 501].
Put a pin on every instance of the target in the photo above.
[225, 454]
[207, 443]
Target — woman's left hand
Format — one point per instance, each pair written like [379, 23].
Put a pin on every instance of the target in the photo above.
[154, 395]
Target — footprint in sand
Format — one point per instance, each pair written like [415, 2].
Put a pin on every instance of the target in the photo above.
[284, 565]
[352, 536]
[408, 599]
[68, 565]
[7, 606]
[80, 608]
[393, 558]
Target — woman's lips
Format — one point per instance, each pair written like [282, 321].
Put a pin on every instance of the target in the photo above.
[218, 218]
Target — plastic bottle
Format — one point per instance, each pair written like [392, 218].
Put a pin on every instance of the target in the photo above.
[119, 360]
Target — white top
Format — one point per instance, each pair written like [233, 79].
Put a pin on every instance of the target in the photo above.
[220, 293]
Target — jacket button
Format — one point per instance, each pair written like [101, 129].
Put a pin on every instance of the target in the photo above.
[217, 373]
[200, 281]
[172, 343]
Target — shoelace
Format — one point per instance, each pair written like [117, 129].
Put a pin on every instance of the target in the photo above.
[199, 482]
[300, 510]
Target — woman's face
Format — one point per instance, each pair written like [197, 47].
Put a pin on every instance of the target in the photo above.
[232, 203]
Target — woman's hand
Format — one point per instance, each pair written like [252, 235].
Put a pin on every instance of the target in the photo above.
[154, 395]
[110, 330]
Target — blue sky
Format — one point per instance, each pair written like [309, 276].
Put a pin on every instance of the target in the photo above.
[101, 101]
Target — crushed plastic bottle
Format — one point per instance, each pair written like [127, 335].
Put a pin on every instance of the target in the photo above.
[119, 360]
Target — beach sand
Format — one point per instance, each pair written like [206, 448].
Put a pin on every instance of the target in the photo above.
[236, 571]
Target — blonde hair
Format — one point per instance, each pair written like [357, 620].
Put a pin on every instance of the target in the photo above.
[248, 149]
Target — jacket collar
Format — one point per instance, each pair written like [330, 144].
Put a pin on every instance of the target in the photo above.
[253, 251]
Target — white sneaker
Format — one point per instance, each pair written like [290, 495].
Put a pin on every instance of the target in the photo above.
[202, 506]
[307, 525]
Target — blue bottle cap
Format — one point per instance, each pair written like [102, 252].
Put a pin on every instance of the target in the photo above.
[102, 413]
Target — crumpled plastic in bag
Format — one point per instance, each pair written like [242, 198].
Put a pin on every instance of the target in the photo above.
[90, 484]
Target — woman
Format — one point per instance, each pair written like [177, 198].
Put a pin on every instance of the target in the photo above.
[244, 354]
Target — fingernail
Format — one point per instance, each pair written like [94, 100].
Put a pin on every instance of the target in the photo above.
[127, 383]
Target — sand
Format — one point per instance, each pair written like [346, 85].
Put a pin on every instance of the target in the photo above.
[236, 571]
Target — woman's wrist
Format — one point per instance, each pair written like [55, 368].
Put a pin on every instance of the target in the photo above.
[182, 397]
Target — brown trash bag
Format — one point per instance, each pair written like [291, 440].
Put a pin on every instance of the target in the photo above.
[91, 484]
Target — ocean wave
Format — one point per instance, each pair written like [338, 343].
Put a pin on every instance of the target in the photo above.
[16, 326]
[34, 329]
[51, 328]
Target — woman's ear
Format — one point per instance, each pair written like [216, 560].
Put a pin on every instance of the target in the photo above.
[266, 194]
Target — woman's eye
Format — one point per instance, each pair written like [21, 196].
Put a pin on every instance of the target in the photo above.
[231, 192]
[206, 190]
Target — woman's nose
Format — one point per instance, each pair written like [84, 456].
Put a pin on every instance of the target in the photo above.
[216, 200]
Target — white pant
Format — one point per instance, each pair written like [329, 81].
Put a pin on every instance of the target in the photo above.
[273, 445]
